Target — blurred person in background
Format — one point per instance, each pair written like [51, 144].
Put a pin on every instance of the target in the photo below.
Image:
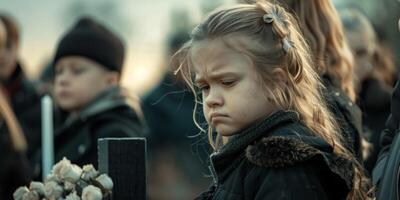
[373, 77]
[177, 151]
[333, 60]
[14, 167]
[23, 98]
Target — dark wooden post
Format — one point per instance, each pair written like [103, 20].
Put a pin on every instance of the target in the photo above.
[124, 160]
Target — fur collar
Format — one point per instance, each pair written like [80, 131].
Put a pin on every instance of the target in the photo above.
[279, 151]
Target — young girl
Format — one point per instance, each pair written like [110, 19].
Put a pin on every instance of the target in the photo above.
[273, 135]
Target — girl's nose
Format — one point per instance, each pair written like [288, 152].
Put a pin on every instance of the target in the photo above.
[214, 98]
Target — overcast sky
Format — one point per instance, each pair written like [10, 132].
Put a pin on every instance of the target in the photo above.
[144, 25]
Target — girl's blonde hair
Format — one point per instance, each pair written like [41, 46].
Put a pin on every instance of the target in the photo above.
[281, 46]
[8, 119]
[322, 28]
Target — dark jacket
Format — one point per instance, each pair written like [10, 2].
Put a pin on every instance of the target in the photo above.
[109, 115]
[14, 168]
[25, 103]
[374, 100]
[278, 158]
[385, 175]
[347, 114]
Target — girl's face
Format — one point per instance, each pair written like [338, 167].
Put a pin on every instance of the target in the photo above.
[78, 81]
[232, 93]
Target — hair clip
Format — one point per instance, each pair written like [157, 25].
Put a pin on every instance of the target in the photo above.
[286, 44]
[268, 18]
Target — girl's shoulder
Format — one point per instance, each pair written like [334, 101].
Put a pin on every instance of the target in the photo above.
[295, 146]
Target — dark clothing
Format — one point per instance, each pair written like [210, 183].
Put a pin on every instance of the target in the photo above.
[385, 175]
[374, 100]
[348, 116]
[25, 103]
[107, 116]
[278, 158]
[168, 111]
[14, 168]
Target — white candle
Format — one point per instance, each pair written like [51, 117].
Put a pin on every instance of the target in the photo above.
[47, 136]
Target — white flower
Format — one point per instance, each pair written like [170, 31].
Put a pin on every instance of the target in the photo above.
[57, 167]
[105, 181]
[69, 186]
[52, 177]
[73, 196]
[37, 186]
[52, 190]
[89, 172]
[20, 192]
[31, 195]
[91, 193]
[71, 173]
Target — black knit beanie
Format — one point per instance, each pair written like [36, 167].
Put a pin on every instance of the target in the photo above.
[92, 40]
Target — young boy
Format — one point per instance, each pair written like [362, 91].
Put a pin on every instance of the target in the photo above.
[88, 62]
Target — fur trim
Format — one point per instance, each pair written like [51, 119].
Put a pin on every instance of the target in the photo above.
[277, 152]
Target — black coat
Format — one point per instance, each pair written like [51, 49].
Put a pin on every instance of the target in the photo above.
[347, 114]
[278, 158]
[108, 116]
[14, 168]
[25, 102]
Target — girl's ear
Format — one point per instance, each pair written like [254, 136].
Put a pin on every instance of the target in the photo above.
[280, 76]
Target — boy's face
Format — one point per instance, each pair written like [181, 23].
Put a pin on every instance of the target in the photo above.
[79, 80]
[233, 96]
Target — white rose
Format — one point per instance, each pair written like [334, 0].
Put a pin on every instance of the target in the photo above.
[31, 195]
[105, 181]
[71, 173]
[89, 172]
[52, 177]
[37, 186]
[57, 167]
[91, 193]
[20, 192]
[72, 196]
[52, 190]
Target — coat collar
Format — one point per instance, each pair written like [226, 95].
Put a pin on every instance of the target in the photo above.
[109, 99]
[221, 160]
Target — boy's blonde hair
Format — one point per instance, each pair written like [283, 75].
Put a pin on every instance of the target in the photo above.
[281, 46]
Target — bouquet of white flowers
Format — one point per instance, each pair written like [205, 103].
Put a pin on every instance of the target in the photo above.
[68, 182]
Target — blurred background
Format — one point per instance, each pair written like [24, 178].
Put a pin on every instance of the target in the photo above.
[153, 30]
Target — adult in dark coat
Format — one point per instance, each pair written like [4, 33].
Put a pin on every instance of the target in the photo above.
[278, 158]
[387, 169]
[21, 93]
[14, 167]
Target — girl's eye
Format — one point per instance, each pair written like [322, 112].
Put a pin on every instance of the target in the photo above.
[228, 82]
[203, 87]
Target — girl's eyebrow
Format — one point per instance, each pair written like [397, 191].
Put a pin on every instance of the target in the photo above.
[214, 76]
